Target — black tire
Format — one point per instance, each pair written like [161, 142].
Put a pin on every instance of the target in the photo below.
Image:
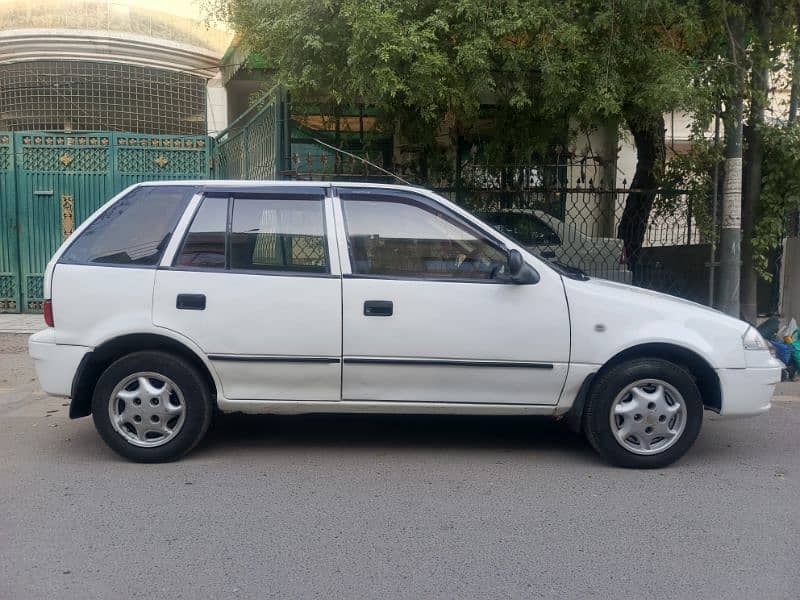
[196, 401]
[606, 387]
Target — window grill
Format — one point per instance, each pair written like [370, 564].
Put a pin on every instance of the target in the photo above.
[99, 96]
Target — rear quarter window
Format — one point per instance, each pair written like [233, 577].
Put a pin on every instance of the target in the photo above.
[134, 231]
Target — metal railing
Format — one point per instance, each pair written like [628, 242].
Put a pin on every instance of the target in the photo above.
[254, 146]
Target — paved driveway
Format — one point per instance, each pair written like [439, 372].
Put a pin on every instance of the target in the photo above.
[390, 507]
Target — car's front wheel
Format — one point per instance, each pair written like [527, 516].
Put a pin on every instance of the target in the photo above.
[643, 413]
[151, 406]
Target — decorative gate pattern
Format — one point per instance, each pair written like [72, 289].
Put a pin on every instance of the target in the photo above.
[9, 265]
[147, 157]
[52, 182]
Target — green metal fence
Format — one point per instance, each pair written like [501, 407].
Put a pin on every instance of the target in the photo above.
[255, 146]
[51, 182]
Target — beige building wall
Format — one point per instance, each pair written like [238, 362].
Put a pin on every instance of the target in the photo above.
[593, 213]
[180, 21]
[171, 35]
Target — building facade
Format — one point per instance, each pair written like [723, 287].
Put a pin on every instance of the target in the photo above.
[95, 95]
[139, 66]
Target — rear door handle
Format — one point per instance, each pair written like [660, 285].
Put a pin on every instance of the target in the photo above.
[378, 308]
[191, 302]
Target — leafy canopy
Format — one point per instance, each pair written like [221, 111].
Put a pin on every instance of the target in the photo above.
[531, 64]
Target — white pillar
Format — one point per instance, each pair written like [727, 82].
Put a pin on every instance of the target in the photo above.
[217, 105]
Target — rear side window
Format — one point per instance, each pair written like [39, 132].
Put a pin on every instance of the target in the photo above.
[204, 246]
[134, 231]
[257, 234]
[281, 235]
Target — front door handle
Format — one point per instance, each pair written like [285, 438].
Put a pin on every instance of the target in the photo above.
[191, 302]
[378, 308]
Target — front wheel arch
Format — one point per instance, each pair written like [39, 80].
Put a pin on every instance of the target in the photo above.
[623, 437]
[704, 374]
[98, 360]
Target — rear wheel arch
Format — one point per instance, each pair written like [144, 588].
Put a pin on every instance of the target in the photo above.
[97, 361]
[704, 374]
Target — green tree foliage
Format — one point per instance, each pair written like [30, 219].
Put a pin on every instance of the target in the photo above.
[534, 63]
[780, 192]
[771, 30]
[526, 75]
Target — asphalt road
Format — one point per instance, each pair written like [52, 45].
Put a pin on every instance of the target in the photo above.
[390, 507]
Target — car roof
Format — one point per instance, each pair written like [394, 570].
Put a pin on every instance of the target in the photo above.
[250, 183]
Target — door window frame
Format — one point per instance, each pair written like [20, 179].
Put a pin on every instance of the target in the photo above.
[428, 205]
[287, 193]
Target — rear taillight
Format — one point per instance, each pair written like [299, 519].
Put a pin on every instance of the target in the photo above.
[623, 257]
[47, 309]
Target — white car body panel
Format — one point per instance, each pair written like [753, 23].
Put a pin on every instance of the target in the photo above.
[96, 304]
[55, 364]
[609, 317]
[577, 326]
[254, 325]
[449, 321]
[748, 392]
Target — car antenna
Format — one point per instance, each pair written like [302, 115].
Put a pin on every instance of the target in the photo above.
[363, 160]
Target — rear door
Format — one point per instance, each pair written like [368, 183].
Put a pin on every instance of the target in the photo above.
[253, 284]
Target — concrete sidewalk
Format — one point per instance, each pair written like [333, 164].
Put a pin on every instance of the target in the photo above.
[26, 324]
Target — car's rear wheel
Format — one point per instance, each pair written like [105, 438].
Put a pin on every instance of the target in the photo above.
[151, 406]
[644, 413]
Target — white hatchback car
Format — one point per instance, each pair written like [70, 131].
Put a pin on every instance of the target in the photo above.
[283, 297]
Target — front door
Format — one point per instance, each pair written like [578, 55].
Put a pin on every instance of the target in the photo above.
[429, 316]
[252, 285]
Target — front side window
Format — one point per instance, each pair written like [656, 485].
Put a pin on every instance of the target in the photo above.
[399, 237]
[134, 231]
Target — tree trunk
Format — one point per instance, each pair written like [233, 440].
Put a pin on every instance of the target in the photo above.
[751, 190]
[651, 149]
[794, 98]
[751, 176]
[794, 95]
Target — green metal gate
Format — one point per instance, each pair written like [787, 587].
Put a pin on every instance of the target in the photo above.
[9, 261]
[51, 182]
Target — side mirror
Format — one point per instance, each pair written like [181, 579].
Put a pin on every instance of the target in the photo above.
[520, 272]
[515, 263]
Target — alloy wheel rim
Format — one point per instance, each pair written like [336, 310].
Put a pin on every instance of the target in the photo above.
[648, 416]
[147, 409]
